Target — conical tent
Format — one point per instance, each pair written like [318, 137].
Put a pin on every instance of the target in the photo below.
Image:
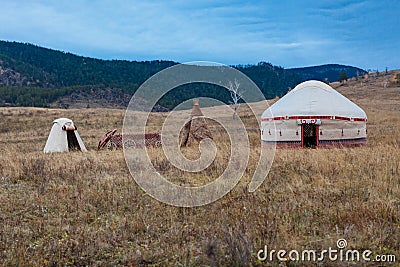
[314, 114]
[196, 129]
[63, 137]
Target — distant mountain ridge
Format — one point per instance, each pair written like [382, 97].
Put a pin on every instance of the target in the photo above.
[31, 75]
[331, 72]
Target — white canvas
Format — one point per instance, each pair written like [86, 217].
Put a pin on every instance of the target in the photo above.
[315, 98]
[57, 140]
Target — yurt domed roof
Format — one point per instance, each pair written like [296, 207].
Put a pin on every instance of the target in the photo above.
[314, 98]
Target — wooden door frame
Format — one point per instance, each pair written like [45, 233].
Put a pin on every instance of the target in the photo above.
[316, 134]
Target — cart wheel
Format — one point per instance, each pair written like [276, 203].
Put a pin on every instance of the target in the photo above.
[129, 144]
[157, 144]
[111, 146]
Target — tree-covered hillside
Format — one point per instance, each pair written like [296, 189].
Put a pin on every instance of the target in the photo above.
[50, 68]
[329, 72]
[35, 76]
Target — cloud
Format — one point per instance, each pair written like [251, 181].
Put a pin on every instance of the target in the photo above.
[286, 33]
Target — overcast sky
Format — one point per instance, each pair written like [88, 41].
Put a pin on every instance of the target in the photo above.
[365, 34]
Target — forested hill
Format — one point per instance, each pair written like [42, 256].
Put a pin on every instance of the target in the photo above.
[330, 72]
[44, 67]
[35, 76]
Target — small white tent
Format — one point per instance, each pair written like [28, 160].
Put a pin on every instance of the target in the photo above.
[314, 114]
[63, 137]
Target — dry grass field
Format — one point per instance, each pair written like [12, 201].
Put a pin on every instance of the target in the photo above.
[85, 209]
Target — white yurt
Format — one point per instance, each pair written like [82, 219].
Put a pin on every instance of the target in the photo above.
[63, 137]
[313, 114]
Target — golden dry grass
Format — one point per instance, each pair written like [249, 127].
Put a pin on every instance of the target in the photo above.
[77, 209]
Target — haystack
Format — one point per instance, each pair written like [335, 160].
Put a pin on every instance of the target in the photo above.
[196, 129]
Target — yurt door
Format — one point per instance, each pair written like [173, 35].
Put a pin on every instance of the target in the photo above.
[309, 135]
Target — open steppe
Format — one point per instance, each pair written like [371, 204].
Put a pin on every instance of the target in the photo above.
[78, 209]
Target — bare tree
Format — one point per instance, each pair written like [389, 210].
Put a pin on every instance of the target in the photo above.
[236, 95]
